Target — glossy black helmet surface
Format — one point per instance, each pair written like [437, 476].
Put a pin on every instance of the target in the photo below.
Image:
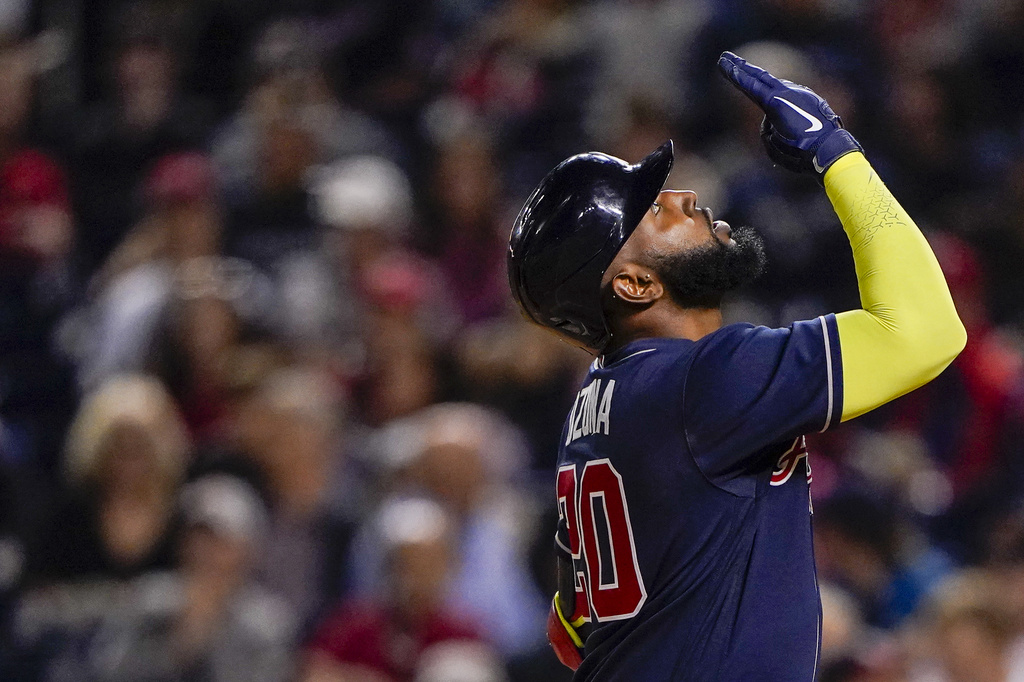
[570, 230]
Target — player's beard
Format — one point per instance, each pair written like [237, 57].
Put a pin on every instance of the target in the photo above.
[700, 277]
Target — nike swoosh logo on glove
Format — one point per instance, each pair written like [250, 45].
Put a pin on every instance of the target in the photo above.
[815, 123]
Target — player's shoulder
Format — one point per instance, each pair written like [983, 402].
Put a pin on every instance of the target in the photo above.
[725, 341]
[735, 340]
[732, 333]
[729, 339]
[742, 357]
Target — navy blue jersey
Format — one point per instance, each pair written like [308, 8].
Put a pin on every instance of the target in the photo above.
[683, 498]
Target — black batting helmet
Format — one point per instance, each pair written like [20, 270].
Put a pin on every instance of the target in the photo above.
[570, 230]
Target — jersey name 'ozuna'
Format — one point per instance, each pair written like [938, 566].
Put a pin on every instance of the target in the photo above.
[588, 415]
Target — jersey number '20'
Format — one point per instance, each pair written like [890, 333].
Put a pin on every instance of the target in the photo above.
[608, 581]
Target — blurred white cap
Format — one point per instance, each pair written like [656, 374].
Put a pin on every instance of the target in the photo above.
[137, 400]
[459, 661]
[226, 505]
[501, 445]
[366, 192]
[782, 60]
[411, 521]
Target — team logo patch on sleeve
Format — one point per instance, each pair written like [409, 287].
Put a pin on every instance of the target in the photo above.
[788, 462]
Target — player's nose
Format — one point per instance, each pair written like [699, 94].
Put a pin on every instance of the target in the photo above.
[684, 200]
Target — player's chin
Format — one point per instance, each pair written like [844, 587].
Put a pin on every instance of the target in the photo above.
[701, 276]
[748, 246]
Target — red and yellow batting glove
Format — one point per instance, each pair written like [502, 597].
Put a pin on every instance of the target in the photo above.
[563, 636]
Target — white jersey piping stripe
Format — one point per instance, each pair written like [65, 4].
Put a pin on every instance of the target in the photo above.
[600, 360]
[828, 372]
[817, 636]
[558, 541]
[639, 352]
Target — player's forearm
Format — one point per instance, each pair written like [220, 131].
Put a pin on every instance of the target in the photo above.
[908, 330]
[566, 584]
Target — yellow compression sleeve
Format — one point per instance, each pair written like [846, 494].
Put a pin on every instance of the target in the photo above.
[908, 330]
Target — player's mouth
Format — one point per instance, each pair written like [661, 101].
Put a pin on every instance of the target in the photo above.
[709, 216]
[722, 230]
[719, 228]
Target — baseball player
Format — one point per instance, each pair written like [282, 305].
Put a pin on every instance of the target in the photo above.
[682, 487]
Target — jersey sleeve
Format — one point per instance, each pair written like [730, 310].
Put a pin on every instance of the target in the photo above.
[750, 387]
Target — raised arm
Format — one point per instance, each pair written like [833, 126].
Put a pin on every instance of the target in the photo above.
[907, 330]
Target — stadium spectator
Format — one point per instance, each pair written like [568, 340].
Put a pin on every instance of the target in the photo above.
[524, 372]
[200, 330]
[182, 221]
[467, 458]
[525, 73]
[921, 139]
[37, 286]
[864, 550]
[972, 635]
[402, 370]
[364, 268]
[143, 116]
[643, 50]
[289, 122]
[966, 420]
[35, 212]
[842, 628]
[459, 662]
[127, 452]
[383, 639]
[467, 231]
[208, 620]
[314, 502]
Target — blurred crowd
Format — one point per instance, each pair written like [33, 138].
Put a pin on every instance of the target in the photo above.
[267, 411]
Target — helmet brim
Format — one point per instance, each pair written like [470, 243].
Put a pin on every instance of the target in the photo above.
[651, 174]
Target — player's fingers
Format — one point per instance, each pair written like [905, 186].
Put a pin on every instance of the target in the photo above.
[753, 81]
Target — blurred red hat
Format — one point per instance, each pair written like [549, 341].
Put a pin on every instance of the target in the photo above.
[965, 275]
[396, 282]
[28, 180]
[180, 177]
[959, 261]
[32, 178]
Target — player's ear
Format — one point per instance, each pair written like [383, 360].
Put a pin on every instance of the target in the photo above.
[636, 285]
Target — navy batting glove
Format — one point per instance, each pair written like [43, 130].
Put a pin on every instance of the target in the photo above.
[800, 131]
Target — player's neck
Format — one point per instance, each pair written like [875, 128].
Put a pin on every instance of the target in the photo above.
[674, 323]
